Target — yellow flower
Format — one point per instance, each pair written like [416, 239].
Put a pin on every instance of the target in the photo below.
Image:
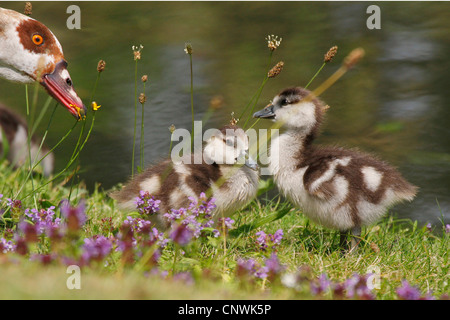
[95, 106]
[80, 117]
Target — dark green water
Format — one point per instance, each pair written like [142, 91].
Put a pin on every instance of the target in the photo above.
[395, 103]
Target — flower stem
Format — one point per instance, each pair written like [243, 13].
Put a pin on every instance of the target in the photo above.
[29, 143]
[312, 79]
[258, 92]
[192, 102]
[50, 151]
[135, 117]
[175, 256]
[71, 160]
[142, 135]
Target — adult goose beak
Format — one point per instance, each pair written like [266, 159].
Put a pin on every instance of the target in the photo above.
[59, 85]
[266, 113]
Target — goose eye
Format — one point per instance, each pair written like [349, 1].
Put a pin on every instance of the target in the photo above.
[37, 39]
[283, 102]
[69, 82]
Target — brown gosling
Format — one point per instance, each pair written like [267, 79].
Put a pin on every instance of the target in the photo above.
[226, 173]
[335, 187]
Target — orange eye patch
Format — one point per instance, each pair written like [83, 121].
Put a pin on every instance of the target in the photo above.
[37, 39]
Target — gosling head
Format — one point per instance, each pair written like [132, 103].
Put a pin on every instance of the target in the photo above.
[229, 146]
[30, 52]
[296, 108]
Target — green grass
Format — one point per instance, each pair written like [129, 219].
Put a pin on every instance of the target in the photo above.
[399, 249]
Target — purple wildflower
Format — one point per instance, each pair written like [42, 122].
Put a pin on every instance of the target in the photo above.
[6, 246]
[271, 241]
[29, 231]
[15, 205]
[181, 234]
[274, 267]
[408, 292]
[356, 287]
[138, 225]
[202, 207]
[261, 240]
[251, 268]
[227, 222]
[321, 285]
[43, 219]
[21, 245]
[125, 242]
[429, 227]
[447, 228]
[146, 203]
[45, 259]
[246, 267]
[75, 216]
[176, 215]
[197, 217]
[96, 248]
[159, 237]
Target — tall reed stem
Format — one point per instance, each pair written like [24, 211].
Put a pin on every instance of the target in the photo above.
[192, 102]
[135, 117]
[312, 79]
[29, 129]
[257, 94]
[142, 133]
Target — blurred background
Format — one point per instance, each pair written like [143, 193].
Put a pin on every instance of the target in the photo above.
[395, 103]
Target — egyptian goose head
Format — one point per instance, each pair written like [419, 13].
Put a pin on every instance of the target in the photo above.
[229, 146]
[30, 52]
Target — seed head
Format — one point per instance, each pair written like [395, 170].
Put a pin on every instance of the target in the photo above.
[144, 78]
[354, 57]
[273, 42]
[233, 120]
[137, 51]
[276, 70]
[28, 9]
[142, 98]
[101, 65]
[172, 128]
[188, 48]
[330, 54]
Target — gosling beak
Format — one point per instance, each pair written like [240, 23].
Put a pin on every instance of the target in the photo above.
[59, 85]
[250, 162]
[266, 113]
[245, 159]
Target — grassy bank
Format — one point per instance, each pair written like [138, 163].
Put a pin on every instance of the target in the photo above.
[247, 261]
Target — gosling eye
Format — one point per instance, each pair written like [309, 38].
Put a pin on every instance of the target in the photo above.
[230, 142]
[283, 102]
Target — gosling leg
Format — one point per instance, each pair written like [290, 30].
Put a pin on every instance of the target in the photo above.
[353, 245]
[356, 239]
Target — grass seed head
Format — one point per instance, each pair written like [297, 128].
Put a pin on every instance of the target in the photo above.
[28, 9]
[273, 42]
[276, 70]
[330, 54]
[101, 65]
